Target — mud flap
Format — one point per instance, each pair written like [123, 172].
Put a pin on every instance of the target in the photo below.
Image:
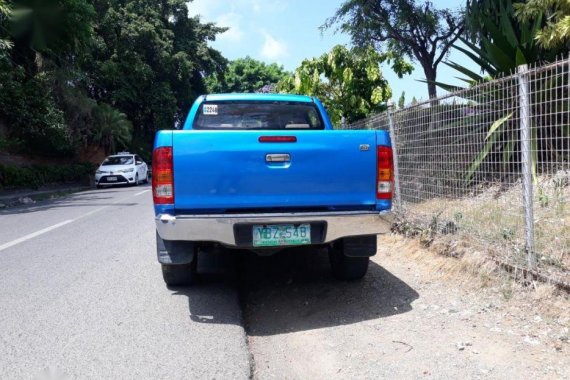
[359, 246]
[174, 252]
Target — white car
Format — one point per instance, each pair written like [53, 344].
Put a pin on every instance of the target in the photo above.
[121, 169]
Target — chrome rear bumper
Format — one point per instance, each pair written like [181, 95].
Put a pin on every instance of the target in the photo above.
[220, 227]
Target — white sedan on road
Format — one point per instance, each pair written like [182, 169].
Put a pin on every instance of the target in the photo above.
[121, 169]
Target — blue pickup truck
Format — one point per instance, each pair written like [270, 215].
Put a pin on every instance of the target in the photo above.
[266, 172]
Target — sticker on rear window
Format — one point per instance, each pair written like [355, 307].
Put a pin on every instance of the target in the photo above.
[210, 109]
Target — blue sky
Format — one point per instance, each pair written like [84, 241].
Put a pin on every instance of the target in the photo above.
[287, 31]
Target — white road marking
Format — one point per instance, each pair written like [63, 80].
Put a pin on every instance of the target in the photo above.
[51, 228]
[33, 235]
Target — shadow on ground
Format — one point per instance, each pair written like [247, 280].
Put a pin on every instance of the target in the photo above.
[295, 291]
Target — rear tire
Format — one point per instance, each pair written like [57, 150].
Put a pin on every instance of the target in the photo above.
[347, 268]
[179, 275]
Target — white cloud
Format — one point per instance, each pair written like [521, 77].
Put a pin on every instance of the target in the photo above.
[205, 8]
[261, 6]
[233, 22]
[272, 48]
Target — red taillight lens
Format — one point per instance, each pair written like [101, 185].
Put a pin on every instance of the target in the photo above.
[162, 176]
[385, 173]
[277, 139]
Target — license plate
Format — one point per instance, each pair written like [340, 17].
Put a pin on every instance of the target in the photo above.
[111, 179]
[283, 234]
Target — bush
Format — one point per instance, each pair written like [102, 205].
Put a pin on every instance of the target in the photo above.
[14, 177]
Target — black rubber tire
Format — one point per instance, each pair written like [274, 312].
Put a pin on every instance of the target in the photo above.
[179, 275]
[99, 186]
[347, 268]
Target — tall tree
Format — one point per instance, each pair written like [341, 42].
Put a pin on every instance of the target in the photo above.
[349, 82]
[149, 60]
[416, 30]
[245, 75]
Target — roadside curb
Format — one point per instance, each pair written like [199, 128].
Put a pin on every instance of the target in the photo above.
[30, 197]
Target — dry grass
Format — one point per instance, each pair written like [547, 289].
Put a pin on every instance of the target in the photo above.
[495, 219]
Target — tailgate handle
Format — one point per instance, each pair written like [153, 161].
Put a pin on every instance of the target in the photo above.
[278, 157]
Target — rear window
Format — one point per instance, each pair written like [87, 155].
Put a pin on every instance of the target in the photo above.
[258, 115]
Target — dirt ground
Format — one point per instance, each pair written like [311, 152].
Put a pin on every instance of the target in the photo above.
[415, 315]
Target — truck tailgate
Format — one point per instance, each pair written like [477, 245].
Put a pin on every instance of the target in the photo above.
[233, 170]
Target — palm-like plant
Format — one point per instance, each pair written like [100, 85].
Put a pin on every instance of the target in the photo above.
[111, 128]
[499, 43]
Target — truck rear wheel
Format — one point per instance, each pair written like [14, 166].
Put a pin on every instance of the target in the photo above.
[179, 275]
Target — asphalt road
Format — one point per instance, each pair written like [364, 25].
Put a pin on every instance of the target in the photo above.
[81, 296]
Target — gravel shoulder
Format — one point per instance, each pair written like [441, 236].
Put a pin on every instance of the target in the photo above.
[415, 315]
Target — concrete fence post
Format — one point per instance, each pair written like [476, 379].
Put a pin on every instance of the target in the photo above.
[526, 150]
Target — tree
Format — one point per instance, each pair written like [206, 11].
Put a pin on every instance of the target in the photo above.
[556, 33]
[149, 59]
[402, 100]
[348, 82]
[112, 128]
[419, 32]
[75, 63]
[245, 75]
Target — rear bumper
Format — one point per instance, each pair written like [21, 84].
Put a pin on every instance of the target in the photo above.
[220, 227]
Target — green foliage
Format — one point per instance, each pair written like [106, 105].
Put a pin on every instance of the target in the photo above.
[4, 8]
[402, 100]
[499, 43]
[112, 129]
[148, 60]
[556, 33]
[348, 82]
[100, 71]
[407, 28]
[245, 75]
[5, 12]
[52, 27]
[490, 139]
[13, 177]
[29, 109]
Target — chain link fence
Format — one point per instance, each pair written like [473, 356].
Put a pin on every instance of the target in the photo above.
[490, 164]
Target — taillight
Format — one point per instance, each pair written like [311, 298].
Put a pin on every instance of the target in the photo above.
[162, 176]
[385, 173]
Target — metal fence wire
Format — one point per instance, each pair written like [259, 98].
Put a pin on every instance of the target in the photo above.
[490, 164]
